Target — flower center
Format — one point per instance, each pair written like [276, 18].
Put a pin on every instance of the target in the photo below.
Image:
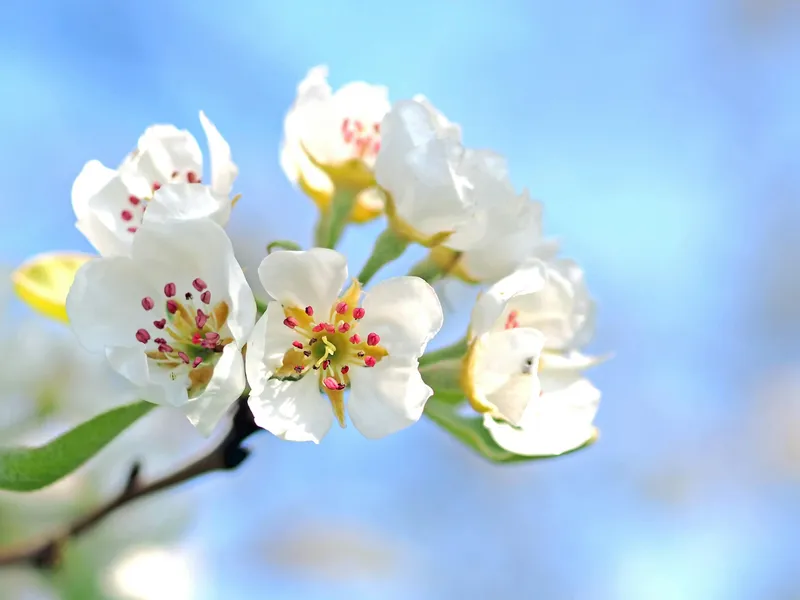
[132, 213]
[188, 337]
[328, 344]
[363, 139]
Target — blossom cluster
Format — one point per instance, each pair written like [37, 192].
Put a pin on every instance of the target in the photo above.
[168, 304]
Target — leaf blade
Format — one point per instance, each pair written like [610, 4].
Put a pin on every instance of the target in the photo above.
[30, 469]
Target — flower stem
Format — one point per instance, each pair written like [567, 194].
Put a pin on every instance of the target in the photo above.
[456, 350]
[388, 246]
[338, 216]
[426, 269]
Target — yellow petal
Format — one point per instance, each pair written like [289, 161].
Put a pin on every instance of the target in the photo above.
[43, 282]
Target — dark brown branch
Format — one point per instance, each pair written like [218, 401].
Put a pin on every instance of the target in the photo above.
[45, 553]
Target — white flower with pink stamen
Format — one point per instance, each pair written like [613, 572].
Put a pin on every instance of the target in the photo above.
[172, 317]
[110, 204]
[314, 342]
[523, 368]
[421, 166]
[326, 132]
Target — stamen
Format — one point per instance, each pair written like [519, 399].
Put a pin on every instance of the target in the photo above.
[290, 322]
[191, 177]
[358, 313]
[160, 340]
[345, 369]
[212, 336]
[188, 295]
[170, 290]
[148, 303]
[344, 327]
[196, 362]
[325, 364]
[307, 353]
[355, 339]
[206, 297]
[369, 361]
[160, 324]
[330, 328]
[318, 327]
[134, 200]
[133, 229]
[126, 215]
[330, 383]
[373, 339]
[298, 345]
[172, 306]
[309, 311]
[298, 369]
[199, 284]
[156, 186]
[201, 319]
[341, 308]
[184, 357]
[165, 348]
[142, 336]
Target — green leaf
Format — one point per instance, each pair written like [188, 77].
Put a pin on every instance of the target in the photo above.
[29, 469]
[471, 432]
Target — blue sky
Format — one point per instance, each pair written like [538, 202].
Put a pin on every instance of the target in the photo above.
[650, 131]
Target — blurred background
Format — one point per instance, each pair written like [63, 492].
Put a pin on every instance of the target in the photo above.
[664, 141]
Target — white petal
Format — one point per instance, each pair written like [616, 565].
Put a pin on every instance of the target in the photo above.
[155, 385]
[167, 149]
[570, 361]
[559, 421]
[304, 278]
[405, 312]
[93, 177]
[180, 251]
[418, 164]
[386, 398]
[267, 344]
[504, 370]
[223, 170]
[490, 305]
[184, 201]
[293, 410]
[553, 310]
[226, 385]
[104, 304]
[99, 198]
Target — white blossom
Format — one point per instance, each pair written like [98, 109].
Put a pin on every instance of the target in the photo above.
[172, 317]
[312, 340]
[421, 166]
[110, 204]
[326, 132]
[523, 369]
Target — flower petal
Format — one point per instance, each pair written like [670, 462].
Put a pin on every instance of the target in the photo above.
[185, 201]
[223, 170]
[155, 385]
[293, 410]
[405, 312]
[388, 397]
[164, 149]
[502, 371]
[267, 344]
[490, 305]
[93, 177]
[104, 304]
[226, 385]
[304, 278]
[557, 422]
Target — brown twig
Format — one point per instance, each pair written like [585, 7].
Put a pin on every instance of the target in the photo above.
[45, 553]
